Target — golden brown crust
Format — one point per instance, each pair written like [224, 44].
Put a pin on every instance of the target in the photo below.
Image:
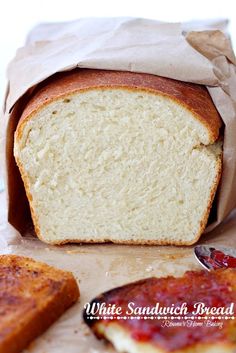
[192, 96]
[33, 295]
[211, 199]
[26, 183]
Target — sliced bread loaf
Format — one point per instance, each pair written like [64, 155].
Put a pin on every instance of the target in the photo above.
[119, 156]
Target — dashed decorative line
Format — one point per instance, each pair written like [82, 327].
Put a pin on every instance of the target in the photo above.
[160, 318]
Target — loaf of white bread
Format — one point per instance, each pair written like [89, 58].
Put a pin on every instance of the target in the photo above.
[119, 156]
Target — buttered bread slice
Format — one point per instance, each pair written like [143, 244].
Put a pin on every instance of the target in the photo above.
[119, 156]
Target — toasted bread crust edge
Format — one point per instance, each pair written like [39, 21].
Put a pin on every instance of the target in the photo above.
[44, 317]
[191, 96]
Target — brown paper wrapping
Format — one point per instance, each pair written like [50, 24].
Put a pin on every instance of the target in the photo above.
[204, 57]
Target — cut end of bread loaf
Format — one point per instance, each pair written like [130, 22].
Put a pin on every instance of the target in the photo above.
[125, 161]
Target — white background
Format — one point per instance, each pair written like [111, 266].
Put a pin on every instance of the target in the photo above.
[17, 17]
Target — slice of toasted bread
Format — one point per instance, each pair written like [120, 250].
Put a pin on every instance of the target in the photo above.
[32, 296]
[163, 332]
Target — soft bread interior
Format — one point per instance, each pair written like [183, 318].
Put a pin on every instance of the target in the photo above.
[117, 165]
[123, 342]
